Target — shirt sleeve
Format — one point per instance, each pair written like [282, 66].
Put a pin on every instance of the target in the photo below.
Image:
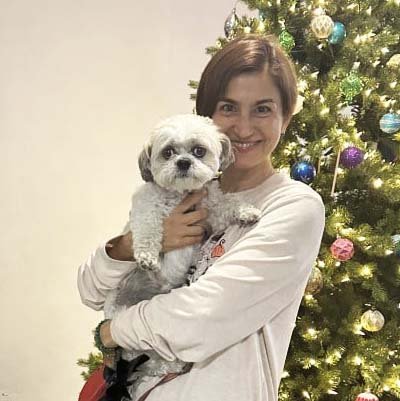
[263, 273]
[100, 274]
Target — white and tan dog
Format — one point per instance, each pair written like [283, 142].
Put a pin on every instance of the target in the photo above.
[184, 153]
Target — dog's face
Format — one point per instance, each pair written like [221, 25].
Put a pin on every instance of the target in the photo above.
[184, 152]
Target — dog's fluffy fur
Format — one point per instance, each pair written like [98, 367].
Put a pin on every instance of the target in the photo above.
[184, 153]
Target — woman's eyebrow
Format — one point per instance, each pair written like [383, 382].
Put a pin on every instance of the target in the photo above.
[228, 100]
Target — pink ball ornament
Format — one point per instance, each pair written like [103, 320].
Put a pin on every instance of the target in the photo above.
[367, 397]
[342, 249]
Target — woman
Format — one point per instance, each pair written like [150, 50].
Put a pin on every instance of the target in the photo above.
[235, 320]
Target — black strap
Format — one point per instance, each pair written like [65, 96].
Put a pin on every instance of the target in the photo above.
[117, 380]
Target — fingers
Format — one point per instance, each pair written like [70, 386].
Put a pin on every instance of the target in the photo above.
[194, 217]
[182, 242]
[190, 201]
[195, 230]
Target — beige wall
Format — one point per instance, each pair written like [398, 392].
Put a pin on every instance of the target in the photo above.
[81, 84]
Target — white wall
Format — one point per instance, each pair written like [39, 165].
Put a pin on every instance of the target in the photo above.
[81, 84]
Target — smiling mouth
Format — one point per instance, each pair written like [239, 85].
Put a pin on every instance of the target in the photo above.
[244, 145]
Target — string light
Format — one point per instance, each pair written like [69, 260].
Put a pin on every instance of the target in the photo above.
[377, 183]
[324, 111]
[302, 85]
[312, 332]
[366, 271]
[357, 329]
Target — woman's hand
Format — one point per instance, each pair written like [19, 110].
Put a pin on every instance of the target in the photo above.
[107, 341]
[184, 227]
[181, 228]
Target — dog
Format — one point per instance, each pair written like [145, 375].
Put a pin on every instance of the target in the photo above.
[184, 154]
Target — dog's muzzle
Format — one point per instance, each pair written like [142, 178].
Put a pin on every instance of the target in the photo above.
[184, 164]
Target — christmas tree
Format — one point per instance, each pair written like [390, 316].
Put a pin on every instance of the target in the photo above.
[343, 141]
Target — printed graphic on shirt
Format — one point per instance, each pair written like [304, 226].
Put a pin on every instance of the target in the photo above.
[212, 249]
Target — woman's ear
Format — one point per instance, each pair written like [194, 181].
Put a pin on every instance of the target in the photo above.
[144, 164]
[227, 156]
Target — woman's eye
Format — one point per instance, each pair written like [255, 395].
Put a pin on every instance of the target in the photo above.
[227, 108]
[199, 151]
[167, 153]
[263, 109]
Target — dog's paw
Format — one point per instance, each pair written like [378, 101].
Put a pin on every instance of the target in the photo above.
[146, 260]
[248, 215]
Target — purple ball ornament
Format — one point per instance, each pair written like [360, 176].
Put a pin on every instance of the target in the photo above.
[351, 157]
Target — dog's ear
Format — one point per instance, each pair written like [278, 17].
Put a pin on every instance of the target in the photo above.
[144, 164]
[227, 156]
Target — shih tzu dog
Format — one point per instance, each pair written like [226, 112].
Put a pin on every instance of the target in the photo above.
[184, 154]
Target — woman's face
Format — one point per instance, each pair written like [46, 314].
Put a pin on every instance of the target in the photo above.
[250, 113]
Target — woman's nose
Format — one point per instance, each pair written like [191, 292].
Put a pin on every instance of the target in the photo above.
[244, 126]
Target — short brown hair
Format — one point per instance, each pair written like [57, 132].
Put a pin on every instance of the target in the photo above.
[246, 54]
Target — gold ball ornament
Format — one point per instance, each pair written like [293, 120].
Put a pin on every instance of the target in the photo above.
[321, 24]
[394, 61]
[372, 320]
[315, 282]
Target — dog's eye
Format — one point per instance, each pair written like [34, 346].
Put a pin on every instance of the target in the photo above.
[199, 151]
[167, 153]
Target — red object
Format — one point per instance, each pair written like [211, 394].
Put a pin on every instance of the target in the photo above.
[95, 386]
[342, 249]
[218, 250]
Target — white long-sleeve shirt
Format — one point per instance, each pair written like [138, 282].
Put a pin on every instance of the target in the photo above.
[236, 320]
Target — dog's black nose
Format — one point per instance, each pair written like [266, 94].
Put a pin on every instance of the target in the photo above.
[183, 164]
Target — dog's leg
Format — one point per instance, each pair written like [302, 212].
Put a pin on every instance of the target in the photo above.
[149, 209]
[226, 209]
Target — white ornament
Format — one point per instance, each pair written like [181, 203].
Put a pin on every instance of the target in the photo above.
[322, 26]
[348, 112]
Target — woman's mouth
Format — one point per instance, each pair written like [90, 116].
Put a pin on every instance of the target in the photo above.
[243, 147]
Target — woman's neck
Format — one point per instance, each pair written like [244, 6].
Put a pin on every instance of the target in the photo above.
[237, 180]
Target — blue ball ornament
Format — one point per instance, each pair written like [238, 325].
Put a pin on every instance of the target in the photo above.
[390, 123]
[338, 34]
[303, 171]
[351, 157]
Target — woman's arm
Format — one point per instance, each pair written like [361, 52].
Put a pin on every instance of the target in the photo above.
[264, 273]
[111, 262]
